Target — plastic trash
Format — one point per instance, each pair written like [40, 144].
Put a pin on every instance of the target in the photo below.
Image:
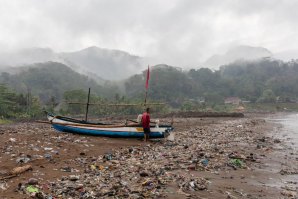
[32, 189]
[108, 156]
[47, 156]
[237, 162]
[204, 162]
[23, 160]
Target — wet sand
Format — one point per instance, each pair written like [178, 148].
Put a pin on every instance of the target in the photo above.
[256, 140]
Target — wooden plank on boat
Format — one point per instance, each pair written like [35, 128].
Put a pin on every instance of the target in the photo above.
[96, 125]
[100, 104]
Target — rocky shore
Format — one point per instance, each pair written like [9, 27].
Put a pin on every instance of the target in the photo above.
[208, 158]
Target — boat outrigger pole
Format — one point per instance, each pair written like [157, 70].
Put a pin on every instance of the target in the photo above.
[103, 104]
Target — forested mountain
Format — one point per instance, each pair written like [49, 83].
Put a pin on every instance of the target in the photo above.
[251, 80]
[50, 80]
[166, 83]
[256, 81]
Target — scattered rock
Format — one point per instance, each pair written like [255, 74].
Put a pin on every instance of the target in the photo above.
[74, 177]
[276, 141]
[32, 181]
[144, 174]
[289, 194]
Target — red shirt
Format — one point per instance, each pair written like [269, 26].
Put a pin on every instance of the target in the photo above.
[146, 120]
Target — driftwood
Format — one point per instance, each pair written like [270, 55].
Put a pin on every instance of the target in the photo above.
[16, 171]
[19, 170]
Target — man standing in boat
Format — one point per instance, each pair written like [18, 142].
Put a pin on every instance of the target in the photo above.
[146, 124]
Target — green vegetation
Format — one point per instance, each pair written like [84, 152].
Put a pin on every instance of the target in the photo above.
[261, 81]
[5, 121]
[50, 80]
[13, 105]
[267, 84]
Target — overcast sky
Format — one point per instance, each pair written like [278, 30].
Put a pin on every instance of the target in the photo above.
[177, 32]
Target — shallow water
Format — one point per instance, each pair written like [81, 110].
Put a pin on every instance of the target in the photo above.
[287, 132]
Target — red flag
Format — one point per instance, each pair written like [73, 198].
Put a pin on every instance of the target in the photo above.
[147, 79]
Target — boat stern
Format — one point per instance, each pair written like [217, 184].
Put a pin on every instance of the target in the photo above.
[168, 131]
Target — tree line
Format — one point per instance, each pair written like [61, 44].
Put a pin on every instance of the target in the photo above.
[48, 86]
[263, 81]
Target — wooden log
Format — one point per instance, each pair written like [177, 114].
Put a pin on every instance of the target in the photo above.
[19, 170]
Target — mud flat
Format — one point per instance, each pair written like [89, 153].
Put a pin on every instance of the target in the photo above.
[209, 158]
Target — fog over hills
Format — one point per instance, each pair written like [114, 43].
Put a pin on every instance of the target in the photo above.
[108, 64]
[287, 55]
[93, 61]
[52, 79]
[105, 64]
[237, 53]
[28, 56]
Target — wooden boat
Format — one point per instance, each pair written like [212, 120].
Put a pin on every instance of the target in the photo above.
[129, 130]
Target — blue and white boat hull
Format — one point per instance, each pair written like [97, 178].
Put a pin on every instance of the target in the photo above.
[123, 131]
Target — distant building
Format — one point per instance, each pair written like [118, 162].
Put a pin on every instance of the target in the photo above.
[240, 109]
[233, 100]
[280, 99]
[200, 100]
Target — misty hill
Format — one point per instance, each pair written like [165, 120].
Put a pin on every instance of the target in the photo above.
[96, 62]
[256, 81]
[50, 80]
[108, 64]
[246, 53]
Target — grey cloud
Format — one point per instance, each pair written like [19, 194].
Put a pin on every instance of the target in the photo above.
[177, 32]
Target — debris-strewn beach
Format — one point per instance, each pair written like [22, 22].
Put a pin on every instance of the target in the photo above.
[209, 158]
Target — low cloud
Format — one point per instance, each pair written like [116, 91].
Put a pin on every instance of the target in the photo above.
[177, 32]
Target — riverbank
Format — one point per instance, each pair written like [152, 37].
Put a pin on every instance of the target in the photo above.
[209, 158]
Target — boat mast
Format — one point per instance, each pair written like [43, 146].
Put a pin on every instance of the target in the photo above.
[87, 105]
[147, 85]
